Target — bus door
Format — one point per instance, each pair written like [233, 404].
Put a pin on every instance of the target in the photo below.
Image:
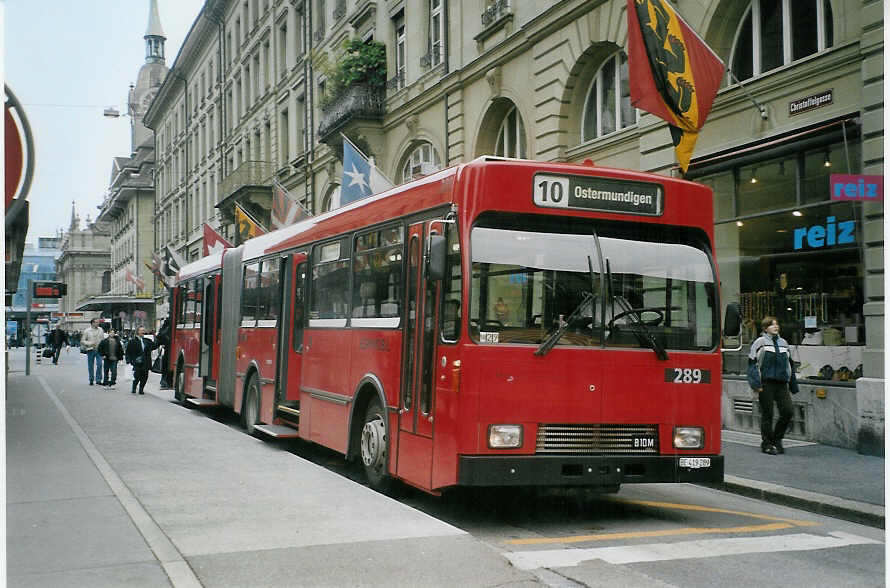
[415, 447]
[208, 328]
[290, 344]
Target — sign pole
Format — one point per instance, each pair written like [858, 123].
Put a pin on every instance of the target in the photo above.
[28, 329]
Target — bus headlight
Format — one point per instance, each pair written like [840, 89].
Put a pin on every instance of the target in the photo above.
[504, 436]
[689, 437]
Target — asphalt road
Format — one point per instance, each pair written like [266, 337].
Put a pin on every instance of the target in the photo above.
[232, 523]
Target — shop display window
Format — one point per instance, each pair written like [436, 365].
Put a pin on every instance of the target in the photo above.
[792, 253]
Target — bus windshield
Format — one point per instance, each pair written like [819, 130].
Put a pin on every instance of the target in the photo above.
[581, 289]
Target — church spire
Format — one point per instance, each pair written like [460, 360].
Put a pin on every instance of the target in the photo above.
[75, 220]
[154, 36]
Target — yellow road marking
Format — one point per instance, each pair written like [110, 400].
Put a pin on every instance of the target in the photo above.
[778, 524]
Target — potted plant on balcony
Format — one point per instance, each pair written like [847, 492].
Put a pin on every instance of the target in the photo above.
[361, 64]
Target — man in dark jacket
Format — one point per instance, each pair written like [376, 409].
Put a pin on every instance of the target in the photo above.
[139, 356]
[770, 373]
[57, 338]
[112, 350]
[163, 340]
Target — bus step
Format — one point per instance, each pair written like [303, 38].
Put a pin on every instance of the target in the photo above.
[210, 388]
[202, 401]
[278, 431]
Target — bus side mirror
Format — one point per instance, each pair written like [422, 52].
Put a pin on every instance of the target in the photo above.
[437, 258]
[732, 323]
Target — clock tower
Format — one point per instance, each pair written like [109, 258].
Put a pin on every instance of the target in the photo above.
[151, 76]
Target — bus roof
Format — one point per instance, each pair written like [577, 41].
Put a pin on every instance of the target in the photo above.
[201, 266]
[436, 189]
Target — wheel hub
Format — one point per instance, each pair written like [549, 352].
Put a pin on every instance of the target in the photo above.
[373, 443]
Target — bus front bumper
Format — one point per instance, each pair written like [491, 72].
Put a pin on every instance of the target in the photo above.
[561, 470]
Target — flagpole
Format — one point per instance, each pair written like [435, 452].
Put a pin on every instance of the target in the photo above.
[759, 106]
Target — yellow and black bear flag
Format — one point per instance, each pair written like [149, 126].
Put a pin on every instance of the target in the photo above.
[247, 226]
[673, 73]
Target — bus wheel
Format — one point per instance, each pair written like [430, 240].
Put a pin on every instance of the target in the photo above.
[250, 411]
[374, 448]
[179, 387]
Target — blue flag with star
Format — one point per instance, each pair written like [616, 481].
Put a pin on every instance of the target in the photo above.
[360, 177]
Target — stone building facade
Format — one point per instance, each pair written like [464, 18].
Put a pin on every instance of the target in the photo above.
[84, 264]
[247, 103]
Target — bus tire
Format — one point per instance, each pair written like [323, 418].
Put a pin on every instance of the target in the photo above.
[179, 386]
[373, 448]
[250, 409]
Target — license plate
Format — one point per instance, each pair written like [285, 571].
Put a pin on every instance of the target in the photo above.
[695, 462]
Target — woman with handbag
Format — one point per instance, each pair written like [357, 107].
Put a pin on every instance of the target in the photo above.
[112, 350]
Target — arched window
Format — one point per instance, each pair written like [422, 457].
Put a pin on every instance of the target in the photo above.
[774, 33]
[511, 136]
[422, 160]
[607, 108]
[331, 200]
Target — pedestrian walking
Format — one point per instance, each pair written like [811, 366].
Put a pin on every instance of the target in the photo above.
[112, 350]
[770, 375]
[89, 342]
[57, 338]
[139, 356]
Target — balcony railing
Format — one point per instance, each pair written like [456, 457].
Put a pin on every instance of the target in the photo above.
[357, 101]
[249, 173]
[495, 11]
[339, 9]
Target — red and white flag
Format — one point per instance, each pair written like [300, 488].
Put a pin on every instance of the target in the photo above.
[286, 210]
[213, 241]
[673, 73]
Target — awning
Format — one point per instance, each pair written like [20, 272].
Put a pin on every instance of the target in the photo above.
[106, 303]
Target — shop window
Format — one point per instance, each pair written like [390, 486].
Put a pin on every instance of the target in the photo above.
[774, 33]
[511, 136]
[422, 160]
[607, 108]
[804, 268]
[723, 186]
[766, 186]
[819, 164]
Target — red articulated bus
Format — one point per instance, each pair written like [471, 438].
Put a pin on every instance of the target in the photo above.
[502, 322]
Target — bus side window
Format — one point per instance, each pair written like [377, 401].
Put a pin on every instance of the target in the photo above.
[451, 292]
[299, 302]
[198, 286]
[249, 295]
[179, 311]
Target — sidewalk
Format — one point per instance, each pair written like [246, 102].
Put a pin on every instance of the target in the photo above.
[828, 480]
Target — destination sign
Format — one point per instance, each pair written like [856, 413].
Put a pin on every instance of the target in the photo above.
[603, 194]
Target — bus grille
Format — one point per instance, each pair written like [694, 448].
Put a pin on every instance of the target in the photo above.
[590, 439]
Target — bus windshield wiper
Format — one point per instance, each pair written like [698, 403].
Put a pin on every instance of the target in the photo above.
[644, 334]
[553, 337]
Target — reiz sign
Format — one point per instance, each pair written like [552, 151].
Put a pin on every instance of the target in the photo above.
[857, 187]
[832, 233]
